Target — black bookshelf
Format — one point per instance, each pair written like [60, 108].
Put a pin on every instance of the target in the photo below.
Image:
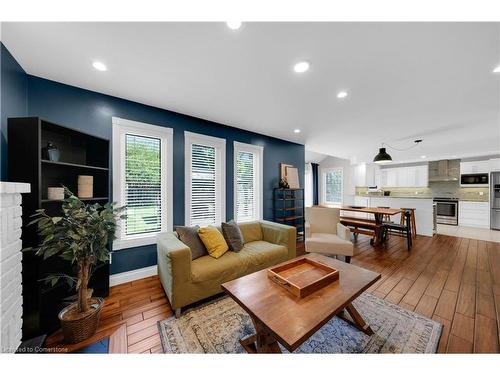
[288, 208]
[80, 154]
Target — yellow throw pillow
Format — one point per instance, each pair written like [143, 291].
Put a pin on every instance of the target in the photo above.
[214, 241]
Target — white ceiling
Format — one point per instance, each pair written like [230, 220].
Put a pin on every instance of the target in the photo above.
[405, 80]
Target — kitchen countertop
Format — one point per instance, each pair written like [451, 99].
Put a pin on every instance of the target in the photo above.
[395, 196]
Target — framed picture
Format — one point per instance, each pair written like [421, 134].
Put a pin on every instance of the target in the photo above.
[283, 168]
[292, 176]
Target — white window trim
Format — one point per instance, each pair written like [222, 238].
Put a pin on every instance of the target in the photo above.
[323, 185]
[220, 146]
[259, 150]
[121, 127]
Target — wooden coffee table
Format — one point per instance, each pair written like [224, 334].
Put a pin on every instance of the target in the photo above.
[279, 316]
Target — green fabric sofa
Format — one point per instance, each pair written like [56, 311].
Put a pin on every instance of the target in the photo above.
[186, 281]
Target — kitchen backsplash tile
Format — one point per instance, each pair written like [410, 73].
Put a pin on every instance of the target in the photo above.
[436, 189]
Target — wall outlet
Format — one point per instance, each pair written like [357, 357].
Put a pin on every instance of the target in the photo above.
[481, 193]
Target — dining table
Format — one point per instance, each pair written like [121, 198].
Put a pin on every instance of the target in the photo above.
[379, 213]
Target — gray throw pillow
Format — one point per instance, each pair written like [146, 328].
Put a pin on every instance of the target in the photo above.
[189, 236]
[233, 236]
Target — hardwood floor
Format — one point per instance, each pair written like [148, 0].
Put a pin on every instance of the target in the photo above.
[136, 306]
[453, 280]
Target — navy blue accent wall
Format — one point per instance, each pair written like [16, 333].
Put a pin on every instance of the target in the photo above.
[91, 112]
[13, 99]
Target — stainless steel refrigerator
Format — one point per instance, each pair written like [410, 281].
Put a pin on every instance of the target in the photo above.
[495, 200]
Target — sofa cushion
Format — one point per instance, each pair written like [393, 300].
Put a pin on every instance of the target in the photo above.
[326, 243]
[233, 236]
[189, 236]
[265, 253]
[254, 256]
[251, 231]
[213, 240]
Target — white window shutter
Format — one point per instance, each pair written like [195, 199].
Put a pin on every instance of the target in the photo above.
[247, 182]
[143, 176]
[246, 207]
[204, 185]
[205, 190]
[142, 181]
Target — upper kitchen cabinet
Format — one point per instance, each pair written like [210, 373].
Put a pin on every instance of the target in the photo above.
[414, 176]
[494, 165]
[472, 167]
[444, 170]
[418, 176]
[365, 174]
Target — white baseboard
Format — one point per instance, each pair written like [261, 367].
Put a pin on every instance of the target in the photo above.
[125, 277]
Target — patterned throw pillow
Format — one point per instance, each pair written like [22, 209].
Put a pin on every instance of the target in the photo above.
[214, 241]
[233, 236]
[189, 236]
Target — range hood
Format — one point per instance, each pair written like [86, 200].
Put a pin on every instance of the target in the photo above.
[444, 170]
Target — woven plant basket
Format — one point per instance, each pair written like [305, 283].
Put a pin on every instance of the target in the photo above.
[80, 329]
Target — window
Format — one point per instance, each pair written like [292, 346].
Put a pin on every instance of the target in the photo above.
[205, 179]
[247, 182]
[332, 185]
[142, 181]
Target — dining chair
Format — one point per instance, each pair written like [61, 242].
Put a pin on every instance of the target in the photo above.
[401, 229]
[412, 220]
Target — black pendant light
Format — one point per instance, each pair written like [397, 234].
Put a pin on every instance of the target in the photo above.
[382, 157]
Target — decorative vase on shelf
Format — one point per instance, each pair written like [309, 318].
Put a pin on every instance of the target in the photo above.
[85, 186]
[55, 193]
[52, 152]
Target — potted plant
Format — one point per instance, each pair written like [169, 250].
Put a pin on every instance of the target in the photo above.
[80, 235]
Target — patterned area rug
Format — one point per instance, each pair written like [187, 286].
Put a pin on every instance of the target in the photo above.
[217, 327]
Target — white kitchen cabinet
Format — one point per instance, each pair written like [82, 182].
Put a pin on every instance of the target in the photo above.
[392, 177]
[415, 176]
[364, 174]
[360, 175]
[494, 164]
[471, 167]
[363, 202]
[371, 173]
[402, 177]
[474, 214]
[423, 211]
[381, 178]
[419, 176]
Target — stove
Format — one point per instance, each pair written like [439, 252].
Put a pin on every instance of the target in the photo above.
[446, 210]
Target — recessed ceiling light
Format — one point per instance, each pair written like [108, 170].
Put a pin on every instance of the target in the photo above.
[497, 69]
[296, 131]
[341, 94]
[234, 25]
[99, 66]
[423, 156]
[301, 67]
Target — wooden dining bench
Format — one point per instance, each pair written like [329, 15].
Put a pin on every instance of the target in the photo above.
[358, 225]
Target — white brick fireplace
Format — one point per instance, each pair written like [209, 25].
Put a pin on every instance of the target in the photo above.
[11, 301]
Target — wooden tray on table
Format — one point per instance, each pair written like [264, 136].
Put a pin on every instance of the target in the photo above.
[303, 276]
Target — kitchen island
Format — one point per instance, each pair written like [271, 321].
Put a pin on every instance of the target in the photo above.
[424, 213]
